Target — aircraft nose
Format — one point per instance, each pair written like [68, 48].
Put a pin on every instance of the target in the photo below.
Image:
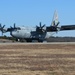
[13, 34]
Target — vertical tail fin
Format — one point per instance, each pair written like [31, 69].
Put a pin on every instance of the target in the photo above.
[55, 21]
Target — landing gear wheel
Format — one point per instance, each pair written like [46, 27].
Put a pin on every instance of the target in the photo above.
[28, 40]
[40, 40]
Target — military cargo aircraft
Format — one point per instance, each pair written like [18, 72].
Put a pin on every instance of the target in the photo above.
[39, 33]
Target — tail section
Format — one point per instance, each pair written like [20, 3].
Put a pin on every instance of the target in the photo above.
[55, 21]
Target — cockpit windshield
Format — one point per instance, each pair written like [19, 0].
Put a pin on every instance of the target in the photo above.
[18, 28]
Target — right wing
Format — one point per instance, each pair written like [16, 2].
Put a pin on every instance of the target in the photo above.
[67, 27]
[62, 28]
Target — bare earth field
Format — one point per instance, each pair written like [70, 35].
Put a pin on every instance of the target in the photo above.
[37, 59]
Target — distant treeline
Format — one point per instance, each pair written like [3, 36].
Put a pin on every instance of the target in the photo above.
[7, 37]
[61, 39]
[51, 39]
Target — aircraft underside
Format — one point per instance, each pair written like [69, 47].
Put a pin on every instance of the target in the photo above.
[29, 40]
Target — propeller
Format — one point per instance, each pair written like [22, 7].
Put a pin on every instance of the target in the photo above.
[13, 28]
[40, 28]
[2, 28]
[55, 26]
[41, 25]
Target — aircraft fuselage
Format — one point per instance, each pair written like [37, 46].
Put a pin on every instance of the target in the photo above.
[30, 33]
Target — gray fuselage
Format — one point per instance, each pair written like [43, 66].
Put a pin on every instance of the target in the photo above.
[30, 33]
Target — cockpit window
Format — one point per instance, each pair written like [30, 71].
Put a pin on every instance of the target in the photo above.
[18, 28]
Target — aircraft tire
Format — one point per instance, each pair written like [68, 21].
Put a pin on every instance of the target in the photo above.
[28, 40]
[40, 40]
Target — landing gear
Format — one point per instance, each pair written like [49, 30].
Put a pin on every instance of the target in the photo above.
[28, 40]
[40, 40]
[20, 40]
[17, 39]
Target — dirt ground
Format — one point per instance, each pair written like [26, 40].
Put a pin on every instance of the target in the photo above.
[37, 59]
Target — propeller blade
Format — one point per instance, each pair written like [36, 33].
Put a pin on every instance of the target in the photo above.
[40, 24]
[3, 26]
[2, 33]
[36, 26]
[54, 23]
[43, 26]
[10, 27]
[57, 23]
[0, 25]
[14, 25]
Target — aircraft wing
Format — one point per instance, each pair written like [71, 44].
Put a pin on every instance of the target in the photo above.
[62, 28]
[51, 29]
[67, 27]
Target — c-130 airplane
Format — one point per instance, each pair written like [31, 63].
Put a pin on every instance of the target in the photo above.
[39, 33]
